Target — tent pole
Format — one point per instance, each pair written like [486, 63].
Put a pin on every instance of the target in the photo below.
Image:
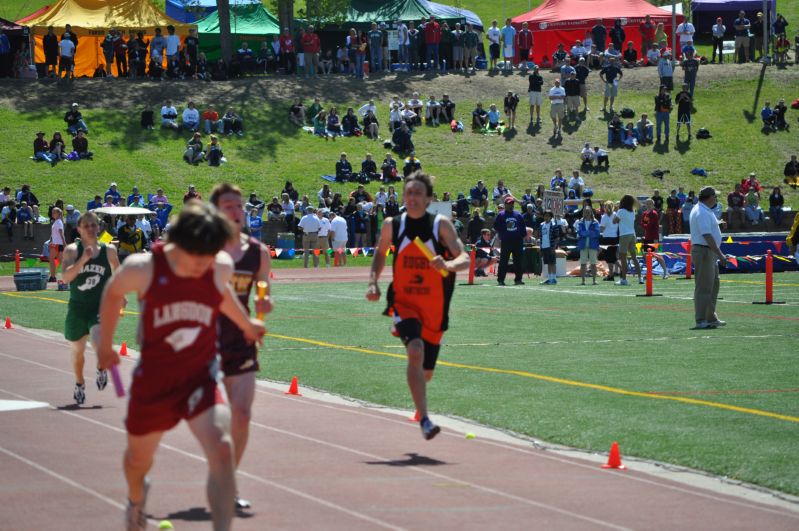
[766, 31]
[674, 50]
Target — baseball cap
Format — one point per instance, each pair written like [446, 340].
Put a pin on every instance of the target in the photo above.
[70, 207]
[40, 133]
[74, 104]
[509, 200]
[113, 184]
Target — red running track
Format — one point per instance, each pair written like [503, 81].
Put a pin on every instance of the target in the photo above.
[313, 464]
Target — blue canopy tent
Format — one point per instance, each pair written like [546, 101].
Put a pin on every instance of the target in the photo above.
[193, 10]
[705, 12]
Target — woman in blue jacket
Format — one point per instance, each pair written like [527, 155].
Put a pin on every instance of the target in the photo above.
[588, 242]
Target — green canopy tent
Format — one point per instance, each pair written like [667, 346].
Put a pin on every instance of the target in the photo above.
[248, 22]
[361, 13]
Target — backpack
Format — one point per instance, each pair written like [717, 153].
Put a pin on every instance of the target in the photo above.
[704, 133]
[626, 112]
[795, 104]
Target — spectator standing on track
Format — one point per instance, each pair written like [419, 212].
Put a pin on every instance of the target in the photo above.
[625, 219]
[509, 226]
[309, 224]
[418, 297]
[57, 241]
[705, 242]
[588, 234]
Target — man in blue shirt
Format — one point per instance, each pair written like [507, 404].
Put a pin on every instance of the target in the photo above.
[479, 195]
[114, 193]
[509, 226]
[508, 33]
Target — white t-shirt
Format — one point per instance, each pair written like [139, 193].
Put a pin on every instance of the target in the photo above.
[574, 182]
[172, 44]
[309, 223]
[559, 94]
[626, 222]
[493, 35]
[703, 221]
[607, 227]
[171, 111]
[191, 115]
[324, 227]
[339, 228]
[381, 198]
[689, 30]
[402, 35]
[57, 232]
[546, 230]
[67, 48]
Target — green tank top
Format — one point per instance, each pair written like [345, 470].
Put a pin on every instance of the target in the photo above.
[87, 288]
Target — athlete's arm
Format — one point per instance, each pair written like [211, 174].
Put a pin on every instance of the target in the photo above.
[448, 236]
[264, 305]
[134, 275]
[223, 270]
[379, 259]
[113, 257]
[72, 265]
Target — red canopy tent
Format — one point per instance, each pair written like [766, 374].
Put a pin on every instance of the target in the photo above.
[565, 21]
[34, 15]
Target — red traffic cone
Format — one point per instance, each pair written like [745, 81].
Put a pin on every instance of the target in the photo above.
[614, 459]
[123, 350]
[8, 325]
[293, 388]
[415, 417]
[272, 275]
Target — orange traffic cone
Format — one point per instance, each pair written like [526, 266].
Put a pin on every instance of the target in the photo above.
[415, 417]
[123, 350]
[614, 459]
[293, 388]
[8, 325]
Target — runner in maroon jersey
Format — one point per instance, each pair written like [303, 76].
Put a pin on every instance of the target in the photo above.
[182, 287]
[239, 357]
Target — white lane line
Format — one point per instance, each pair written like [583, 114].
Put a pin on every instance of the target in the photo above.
[593, 468]
[64, 479]
[248, 475]
[526, 501]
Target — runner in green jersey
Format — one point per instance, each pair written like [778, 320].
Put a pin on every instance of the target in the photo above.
[87, 266]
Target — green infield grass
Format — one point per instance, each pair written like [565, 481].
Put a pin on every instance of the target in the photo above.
[579, 366]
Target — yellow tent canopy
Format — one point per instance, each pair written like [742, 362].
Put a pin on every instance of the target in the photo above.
[91, 20]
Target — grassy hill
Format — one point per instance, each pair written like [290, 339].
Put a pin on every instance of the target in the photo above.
[728, 98]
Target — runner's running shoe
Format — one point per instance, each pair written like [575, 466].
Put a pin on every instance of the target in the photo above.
[242, 504]
[135, 514]
[429, 430]
[79, 394]
[102, 379]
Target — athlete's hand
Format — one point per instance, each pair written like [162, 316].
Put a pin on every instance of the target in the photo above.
[106, 358]
[263, 306]
[255, 332]
[88, 253]
[373, 292]
[438, 263]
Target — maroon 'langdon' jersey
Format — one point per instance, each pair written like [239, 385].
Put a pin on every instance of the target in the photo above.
[178, 326]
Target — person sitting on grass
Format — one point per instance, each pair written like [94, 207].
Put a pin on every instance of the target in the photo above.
[402, 140]
[233, 123]
[369, 169]
[194, 153]
[644, 130]
[587, 156]
[389, 169]
[630, 139]
[493, 117]
[433, 110]
[333, 123]
[630, 56]
[214, 152]
[447, 113]
[80, 145]
[74, 120]
[343, 169]
[41, 149]
[779, 115]
[58, 146]
[320, 125]
[297, 113]
[169, 116]
[416, 106]
[350, 125]
[191, 117]
[371, 126]
[411, 164]
[768, 117]
[601, 157]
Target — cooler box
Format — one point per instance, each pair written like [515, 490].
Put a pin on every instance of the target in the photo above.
[31, 279]
[560, 263]
[285, 241]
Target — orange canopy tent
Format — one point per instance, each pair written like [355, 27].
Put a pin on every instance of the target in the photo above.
[91, 20]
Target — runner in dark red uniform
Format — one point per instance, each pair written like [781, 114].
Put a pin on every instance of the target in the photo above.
[182, 287]
[240, 357]
[419, 296]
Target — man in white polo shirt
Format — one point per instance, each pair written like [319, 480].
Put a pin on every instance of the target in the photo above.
[557, 98]
[705, 242]
[324, 233]
[338, 228]
[310, 236]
